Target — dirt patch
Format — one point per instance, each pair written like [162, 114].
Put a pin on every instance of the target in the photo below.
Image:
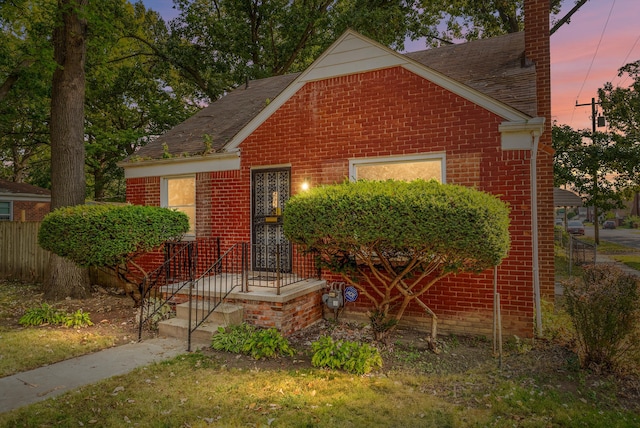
[466, 367]
[111, 312]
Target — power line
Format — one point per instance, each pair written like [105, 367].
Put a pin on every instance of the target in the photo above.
[567, 17]
[593, 58]
[624, 62]
[597, 48]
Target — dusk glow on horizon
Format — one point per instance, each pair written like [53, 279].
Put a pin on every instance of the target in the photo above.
[602, 36]
[587, 52]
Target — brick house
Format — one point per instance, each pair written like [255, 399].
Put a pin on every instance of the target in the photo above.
[23, 202]
[475, 114]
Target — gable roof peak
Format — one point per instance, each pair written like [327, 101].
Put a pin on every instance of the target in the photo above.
[487, 72]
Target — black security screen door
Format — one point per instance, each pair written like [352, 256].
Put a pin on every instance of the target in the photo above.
[270, 191]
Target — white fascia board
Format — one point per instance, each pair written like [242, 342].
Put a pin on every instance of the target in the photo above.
[518, 135]
[30, 197]
[353, 53]
[181, 166]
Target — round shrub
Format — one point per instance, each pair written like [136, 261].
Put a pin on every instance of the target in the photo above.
[109, 235]
[604, 307]
[468, 229]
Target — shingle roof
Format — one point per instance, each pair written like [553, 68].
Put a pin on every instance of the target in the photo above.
[491, 66]
[220, 121]
[565, 198]
[9, 187]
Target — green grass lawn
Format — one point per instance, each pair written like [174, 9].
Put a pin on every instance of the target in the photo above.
[623, 254]
[29, 348]
[196, 390]
[539, 385]
[631, 260]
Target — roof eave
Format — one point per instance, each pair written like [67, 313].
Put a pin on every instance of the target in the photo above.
[222, 161]
[25, 197]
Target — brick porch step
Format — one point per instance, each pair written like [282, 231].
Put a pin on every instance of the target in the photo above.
[224, 315]
[179, 328]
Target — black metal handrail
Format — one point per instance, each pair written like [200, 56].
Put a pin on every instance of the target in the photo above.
[211, 276]
[215, 284]
[280, 265]
[178, 269]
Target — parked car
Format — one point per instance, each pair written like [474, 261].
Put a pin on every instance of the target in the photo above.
[575, 227]
[559, 222]
[609, 224]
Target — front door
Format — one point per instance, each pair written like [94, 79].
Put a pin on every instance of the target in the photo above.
[270, 191]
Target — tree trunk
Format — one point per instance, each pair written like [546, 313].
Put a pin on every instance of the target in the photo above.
[66, 279]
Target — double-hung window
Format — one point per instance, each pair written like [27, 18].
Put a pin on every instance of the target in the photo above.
[179, 193]
[6, 212]
[406, 168]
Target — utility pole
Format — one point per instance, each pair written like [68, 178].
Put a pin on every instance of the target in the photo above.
[600, 122]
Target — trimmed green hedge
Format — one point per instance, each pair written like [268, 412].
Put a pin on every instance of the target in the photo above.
[467, 227]
[109, 235]
[407, 236]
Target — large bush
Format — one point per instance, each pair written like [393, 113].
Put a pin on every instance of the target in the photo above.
[405, 236]
[604, 307]
[110, 236]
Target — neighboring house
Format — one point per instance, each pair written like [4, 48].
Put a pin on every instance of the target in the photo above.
[23, 202]
[475, 114]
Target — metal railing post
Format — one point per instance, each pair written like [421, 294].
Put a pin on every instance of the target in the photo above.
[190, 307]
[278, 269]
[570, 254]
[142, 304]
[244, 286]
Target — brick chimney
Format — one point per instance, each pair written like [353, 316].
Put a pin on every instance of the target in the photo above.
[537, 51]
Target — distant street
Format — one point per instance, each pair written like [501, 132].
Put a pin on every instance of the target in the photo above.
[626, 237]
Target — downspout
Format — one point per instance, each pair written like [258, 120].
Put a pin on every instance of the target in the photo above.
[534, 230]
[525, 135]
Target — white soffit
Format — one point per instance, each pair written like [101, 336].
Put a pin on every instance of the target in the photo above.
[519, 135]
[180, 166]
[353, 53]
[30, 197]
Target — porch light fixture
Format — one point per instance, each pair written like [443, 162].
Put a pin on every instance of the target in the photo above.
[305, 185]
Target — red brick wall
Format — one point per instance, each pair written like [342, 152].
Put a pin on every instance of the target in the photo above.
[383, 113]
[144, 191]
[394, 112]
[287, 317]
[31, 210]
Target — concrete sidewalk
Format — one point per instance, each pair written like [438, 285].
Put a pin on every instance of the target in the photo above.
[603, 258]
[39, 384]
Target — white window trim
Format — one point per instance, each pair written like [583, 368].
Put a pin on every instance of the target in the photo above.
[10, 211]
[353, 163]
[164, 199]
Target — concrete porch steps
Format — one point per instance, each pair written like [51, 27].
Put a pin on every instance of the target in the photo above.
[224, 315]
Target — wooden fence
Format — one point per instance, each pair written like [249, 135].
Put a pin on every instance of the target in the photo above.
[21, 258]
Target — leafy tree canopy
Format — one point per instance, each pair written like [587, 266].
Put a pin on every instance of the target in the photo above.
[472, 19]
[621, 105]
[145, 75]
[599, 166]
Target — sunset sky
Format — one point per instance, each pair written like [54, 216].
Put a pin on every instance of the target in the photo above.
[585, 54]
[579, 66]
